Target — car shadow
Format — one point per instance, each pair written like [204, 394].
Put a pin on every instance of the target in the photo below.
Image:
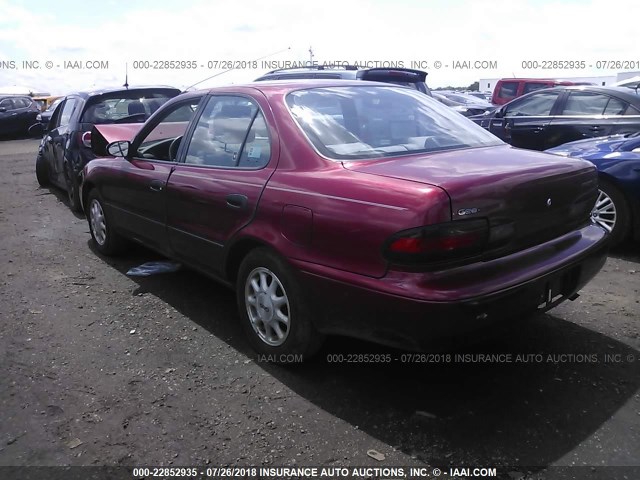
[629, 251]
[62, 197]
[526, 398]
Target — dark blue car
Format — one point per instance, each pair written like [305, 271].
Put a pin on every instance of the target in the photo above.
[66, 145]
[617, 158]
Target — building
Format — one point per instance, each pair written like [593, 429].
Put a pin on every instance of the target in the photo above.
[620, 79]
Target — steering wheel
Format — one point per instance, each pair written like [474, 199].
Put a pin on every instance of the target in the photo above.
[173, 148]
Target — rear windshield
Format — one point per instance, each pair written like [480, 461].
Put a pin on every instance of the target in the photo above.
[124, 107]
[348, 123]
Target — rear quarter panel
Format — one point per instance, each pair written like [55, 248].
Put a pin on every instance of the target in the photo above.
[345, 216]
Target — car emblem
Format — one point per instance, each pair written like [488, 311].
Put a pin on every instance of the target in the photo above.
[468, 211]
[548, 202]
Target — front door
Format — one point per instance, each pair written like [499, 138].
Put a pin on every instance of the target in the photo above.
[137, 196]
[525, 121]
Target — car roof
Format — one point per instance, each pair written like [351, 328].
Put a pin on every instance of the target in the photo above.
[302, 83]
[622, 92]
[283, 86]
[102, 91]
[522, 79]
[13, 95]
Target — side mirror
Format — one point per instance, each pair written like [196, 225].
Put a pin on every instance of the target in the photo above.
[499, 113]
[119, 148]
[36, 130]
[3, 109]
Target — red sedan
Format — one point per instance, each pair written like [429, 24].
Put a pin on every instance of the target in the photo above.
[352, 208]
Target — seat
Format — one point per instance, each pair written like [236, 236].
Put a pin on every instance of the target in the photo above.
[154, 105]
[136, 108]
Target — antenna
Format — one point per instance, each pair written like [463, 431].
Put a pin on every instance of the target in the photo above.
[230, 69]
[126, 76]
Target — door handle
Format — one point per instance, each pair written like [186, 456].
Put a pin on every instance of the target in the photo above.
[595, 129]
[156, 185]
[237, 200]
[538, 129]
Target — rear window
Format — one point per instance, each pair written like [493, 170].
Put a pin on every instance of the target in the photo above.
[123, 107]
[348, 123]
[508, 89]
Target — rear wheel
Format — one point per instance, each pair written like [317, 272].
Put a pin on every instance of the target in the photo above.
[73, 189]
[105, 238]
[42, 171]
[612, 213]
[274, 312]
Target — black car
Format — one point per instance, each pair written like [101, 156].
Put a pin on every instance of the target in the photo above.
[17, 114]
[547, 118]
[398, 76]
[66, 145]
[46, 115]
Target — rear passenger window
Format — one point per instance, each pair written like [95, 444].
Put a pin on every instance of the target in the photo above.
[585, 103]
[615, 107]
[508, 90]
[632, 111]
[230, 133]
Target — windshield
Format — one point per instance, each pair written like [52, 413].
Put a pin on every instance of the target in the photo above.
[125, 107]
[53, 106]
[348, 123]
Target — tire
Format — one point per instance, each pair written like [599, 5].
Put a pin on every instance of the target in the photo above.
[42, 171]
[106, 240]
[73, 190]
[297, 338]
[611, 211]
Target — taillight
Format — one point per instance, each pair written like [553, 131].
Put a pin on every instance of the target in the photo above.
[86, 139]
[435, 243]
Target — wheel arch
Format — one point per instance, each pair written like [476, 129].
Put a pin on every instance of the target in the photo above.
[87, 186]
[237, 252]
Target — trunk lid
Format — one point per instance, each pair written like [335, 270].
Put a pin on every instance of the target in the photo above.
[528, 197]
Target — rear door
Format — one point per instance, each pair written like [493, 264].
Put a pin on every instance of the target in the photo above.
[136, 196]
[58, 137]
[585, 114]
[215, 190]
[524, 121]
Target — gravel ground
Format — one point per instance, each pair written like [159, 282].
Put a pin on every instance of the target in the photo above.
[104, 369]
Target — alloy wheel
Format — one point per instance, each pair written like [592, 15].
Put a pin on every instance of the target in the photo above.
[98, 222]
[267, 306]
[604, 212]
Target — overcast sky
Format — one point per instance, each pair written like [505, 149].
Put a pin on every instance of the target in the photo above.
[123, 32]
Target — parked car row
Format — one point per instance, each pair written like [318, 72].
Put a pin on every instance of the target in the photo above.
[66, 144]
[550, 119]
[335, 207]
[334, 200]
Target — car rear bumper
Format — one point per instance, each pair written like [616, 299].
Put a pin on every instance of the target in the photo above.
[417, 318]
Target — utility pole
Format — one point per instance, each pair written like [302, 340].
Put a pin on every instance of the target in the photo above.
[311, 55]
